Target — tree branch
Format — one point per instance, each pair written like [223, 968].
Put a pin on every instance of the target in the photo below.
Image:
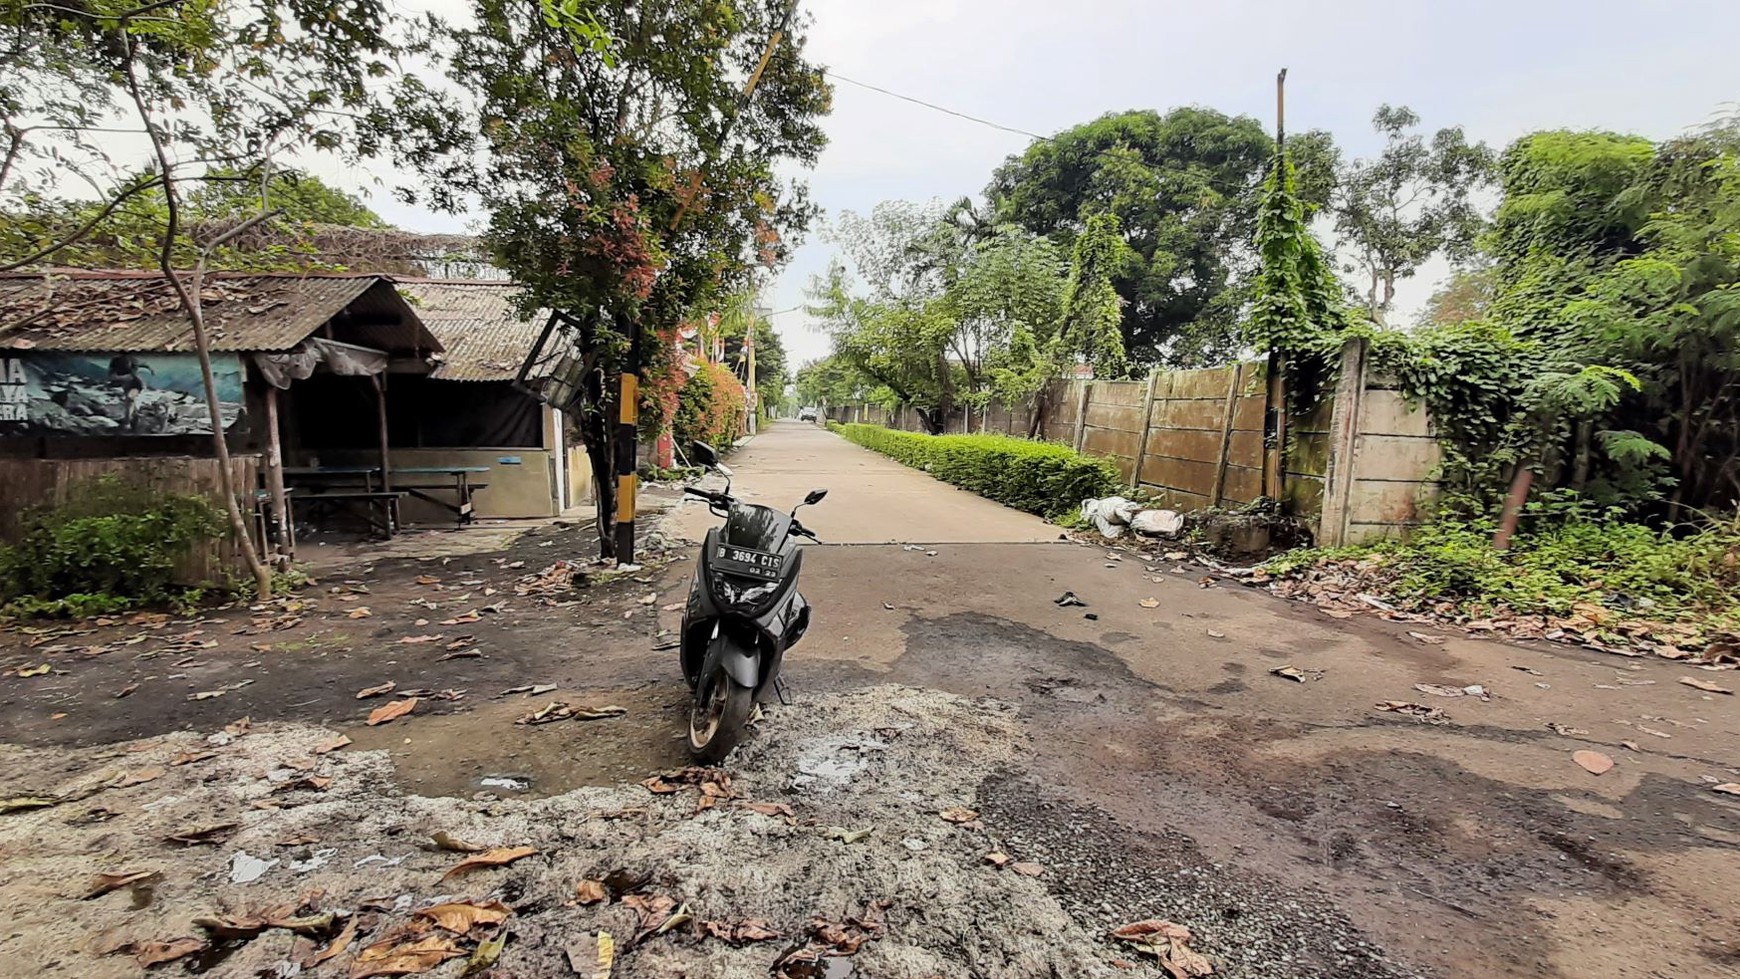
[83, 229]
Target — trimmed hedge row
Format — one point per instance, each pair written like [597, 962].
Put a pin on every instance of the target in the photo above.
[1040, 477]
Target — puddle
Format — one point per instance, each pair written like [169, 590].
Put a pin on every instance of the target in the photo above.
[483, 750]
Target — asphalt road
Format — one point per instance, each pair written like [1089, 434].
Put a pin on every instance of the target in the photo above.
[1474, 848]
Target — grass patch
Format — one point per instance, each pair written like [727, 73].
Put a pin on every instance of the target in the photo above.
[1040, 477]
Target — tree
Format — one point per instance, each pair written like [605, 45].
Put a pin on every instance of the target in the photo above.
[628, 184]
[899, 344]
[1184, 187]
[831, 381]
[1465, 296]
[1409, 203]
[218, 92]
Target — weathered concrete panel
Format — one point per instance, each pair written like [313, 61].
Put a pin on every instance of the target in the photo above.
[1308, 453]
[1373, 501]
[1118, 392]
[1387, 413]
[1396, 457]
[1123, 418]
[1200, 383]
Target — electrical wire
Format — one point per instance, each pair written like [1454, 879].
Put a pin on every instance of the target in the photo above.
[932, 105]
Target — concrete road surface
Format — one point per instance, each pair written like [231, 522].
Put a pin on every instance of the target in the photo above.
[1475, 848]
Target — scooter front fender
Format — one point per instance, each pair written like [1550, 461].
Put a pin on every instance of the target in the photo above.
[742, 665]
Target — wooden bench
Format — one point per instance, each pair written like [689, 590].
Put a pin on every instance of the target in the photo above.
[379, 507]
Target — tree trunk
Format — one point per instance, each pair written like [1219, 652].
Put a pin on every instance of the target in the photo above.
[598, 432]
[193, 306]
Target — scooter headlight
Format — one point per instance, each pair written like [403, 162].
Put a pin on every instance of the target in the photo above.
[743, 596]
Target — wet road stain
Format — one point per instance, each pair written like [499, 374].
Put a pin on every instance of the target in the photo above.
[483, 750]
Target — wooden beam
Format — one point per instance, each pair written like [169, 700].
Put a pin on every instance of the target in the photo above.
[1226, 433]
[381, 409]
[275, 475]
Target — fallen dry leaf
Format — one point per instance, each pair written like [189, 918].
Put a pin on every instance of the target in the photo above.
[499, 857]
[35, 670]
[148, 954]
[997, 858]
[1027, 869]
[189, 757]
[360, 612]
[205, 695]
[427, 579]
[1727, 788]
[1149, 603]
[24, 803]
[958, 815]
[748, 930]
[1420, 711]
[1705, 685]
[767, 808]
[592, 957]
[1428, 638]
[1569, 732]
[1593, 762]
[201, 835]
[413, 640]
[391, 711]
[332, 744]
[407, 959]
[1169, 943]
[447, 841]
[460, 917]
[385, 688]
[340, 943]
[1631, 744]
[104, 883]
[590, 892]
[140, 777]
[126, 690]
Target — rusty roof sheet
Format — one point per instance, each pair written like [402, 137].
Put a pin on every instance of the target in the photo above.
[477, 322]
[139, 312]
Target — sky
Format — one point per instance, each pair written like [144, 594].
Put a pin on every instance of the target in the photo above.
[1500, 70]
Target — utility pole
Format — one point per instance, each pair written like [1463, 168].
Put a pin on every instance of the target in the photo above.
[1275, 463]
[750, 394]
[627, 445]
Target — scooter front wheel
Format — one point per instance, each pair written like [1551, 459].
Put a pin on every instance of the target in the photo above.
[719, 716]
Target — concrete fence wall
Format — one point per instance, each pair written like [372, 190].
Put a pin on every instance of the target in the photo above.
[1357, 466]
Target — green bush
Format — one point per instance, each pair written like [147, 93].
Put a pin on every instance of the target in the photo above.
[1627, 568]
[109, 546]
[1040, 477]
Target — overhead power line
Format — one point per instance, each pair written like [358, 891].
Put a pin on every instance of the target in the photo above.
[932, 105]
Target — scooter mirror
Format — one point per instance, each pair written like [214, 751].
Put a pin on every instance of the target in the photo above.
[815, 497]
[703, 453]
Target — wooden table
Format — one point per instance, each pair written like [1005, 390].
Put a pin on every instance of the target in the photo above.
[458, 479]
[379, 506]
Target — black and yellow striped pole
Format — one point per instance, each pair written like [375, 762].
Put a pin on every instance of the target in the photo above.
[627, 446]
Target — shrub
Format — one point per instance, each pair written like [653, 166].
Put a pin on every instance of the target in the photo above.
[110, 545]
[709, 408]
[1040, 477]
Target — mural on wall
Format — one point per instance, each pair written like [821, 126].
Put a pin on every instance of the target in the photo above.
[47, 393]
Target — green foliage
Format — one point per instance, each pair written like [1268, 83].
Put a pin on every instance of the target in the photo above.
[1040, 477]
[1091, 313]
[1184, 187]
[1564, 563]
[110, 545]
[709, 409]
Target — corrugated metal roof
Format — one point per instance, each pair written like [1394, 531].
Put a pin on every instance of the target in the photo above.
[477, 322]
[139, 312]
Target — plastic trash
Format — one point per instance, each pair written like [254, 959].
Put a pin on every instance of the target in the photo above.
[1158, 523]
[1110, 515]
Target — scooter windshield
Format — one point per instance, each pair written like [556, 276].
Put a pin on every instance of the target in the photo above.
[759, 527]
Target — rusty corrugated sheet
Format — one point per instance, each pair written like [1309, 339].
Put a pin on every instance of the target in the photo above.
[478, 324]
[138, 312]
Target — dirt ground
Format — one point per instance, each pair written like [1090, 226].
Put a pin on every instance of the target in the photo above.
[1142, 763]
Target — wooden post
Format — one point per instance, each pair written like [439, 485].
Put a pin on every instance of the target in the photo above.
[1274, 461]
[1147, 425]
[1339, 473]
[275, 475]
[1513, 504]
[381, 409]
[1228, 409]
[1081, 414]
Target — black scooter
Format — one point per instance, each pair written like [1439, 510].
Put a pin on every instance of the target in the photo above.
[743, 613]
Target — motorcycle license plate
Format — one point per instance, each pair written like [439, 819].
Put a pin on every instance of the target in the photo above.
[743, 561]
